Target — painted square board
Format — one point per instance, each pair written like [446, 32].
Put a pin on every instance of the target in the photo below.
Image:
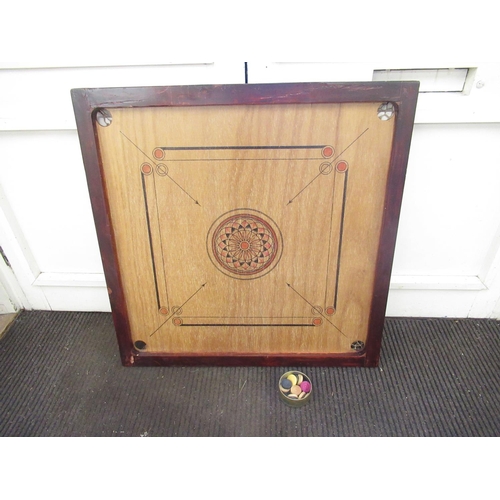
[247, 224]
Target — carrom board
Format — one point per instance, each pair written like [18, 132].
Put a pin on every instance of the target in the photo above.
[247, 224]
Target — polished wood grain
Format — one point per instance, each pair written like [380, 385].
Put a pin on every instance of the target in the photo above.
[169, 170]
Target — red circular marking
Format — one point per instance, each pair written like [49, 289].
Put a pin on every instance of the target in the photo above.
[244, 245]
[146, 168]
[317, 321]
[158, 153]
[163, 310]
[177, 321]
[330, 310]
[342, 166]
[327, 152]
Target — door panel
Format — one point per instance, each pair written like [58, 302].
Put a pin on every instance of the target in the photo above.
[46, 224]
[448, 249]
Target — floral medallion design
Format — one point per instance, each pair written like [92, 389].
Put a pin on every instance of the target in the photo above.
[244, 244]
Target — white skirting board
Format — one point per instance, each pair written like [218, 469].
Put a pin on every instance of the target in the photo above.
[409, 296]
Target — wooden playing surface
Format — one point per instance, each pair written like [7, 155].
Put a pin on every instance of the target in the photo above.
[248, 229]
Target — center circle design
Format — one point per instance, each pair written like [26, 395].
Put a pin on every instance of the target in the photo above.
[244, 244]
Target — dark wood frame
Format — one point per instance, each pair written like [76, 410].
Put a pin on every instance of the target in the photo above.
[402, 94]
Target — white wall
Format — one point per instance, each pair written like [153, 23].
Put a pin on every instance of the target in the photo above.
[447, 255]
[46, 223]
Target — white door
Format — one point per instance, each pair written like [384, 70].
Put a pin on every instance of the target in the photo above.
[8, 302]
[46, 225]
[447, 259]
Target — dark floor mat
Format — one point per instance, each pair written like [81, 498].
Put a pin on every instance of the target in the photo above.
[60, 375]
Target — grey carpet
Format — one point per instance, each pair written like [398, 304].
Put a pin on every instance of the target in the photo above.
[60, 375]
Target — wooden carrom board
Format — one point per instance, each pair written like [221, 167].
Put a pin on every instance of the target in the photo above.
[247, 224]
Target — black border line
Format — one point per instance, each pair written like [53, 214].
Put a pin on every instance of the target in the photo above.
[196, 148]
[250, 324]
[208, 148]
[330, 237]
[150, 238]
[340, 239]
[161, 244]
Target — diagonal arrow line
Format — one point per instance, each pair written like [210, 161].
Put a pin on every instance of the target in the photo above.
[180, 307]
[303, 189]
[314, 307]
[338, 156]
[133, 144]
[155, 164]
[178, 185]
